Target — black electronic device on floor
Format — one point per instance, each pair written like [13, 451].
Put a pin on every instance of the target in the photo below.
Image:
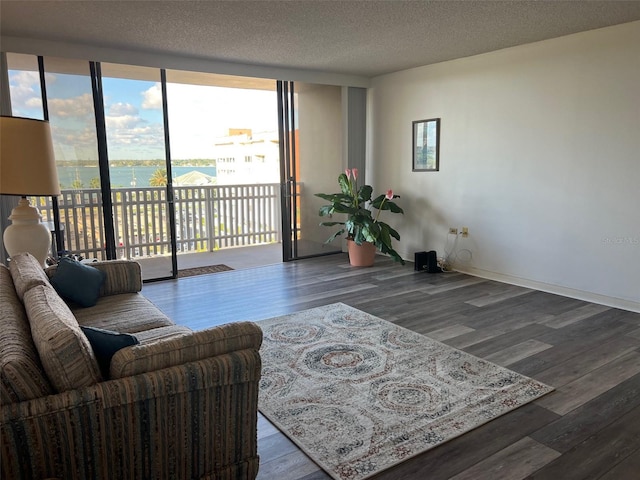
[426, 262]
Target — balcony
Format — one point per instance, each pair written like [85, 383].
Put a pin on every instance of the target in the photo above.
[208, 219]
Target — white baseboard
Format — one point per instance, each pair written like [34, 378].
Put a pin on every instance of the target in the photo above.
[615, 302]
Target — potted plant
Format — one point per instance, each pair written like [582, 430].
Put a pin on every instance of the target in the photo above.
[363, 230]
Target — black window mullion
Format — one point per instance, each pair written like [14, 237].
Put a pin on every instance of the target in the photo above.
[283, 127]
[293, 173]
[103, 160]
[170, 196]
[55, 206]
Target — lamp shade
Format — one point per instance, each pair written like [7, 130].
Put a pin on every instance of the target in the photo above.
[27, 162]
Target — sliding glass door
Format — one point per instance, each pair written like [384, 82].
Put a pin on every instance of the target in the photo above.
[311, 160]
[224, 156]
[139, 183]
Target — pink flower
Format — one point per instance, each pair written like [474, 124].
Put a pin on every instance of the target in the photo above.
[347, 172]
[389, 195]
[355, 173]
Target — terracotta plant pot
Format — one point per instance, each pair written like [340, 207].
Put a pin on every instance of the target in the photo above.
[361, 255]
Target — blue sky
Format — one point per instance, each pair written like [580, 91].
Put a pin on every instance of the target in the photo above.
[133, 114]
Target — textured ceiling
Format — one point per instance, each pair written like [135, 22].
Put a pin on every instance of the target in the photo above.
[365, 38]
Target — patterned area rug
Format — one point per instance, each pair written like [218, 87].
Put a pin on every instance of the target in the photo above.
[359, 394]
[190, 272]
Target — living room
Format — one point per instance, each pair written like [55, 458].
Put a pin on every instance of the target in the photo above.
[548, 203]
[538, 160]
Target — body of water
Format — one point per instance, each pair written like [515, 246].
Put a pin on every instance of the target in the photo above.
[121, 177]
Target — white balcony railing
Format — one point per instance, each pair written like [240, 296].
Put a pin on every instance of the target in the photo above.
[207, 218]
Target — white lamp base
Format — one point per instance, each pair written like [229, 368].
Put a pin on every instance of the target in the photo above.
[27, 233]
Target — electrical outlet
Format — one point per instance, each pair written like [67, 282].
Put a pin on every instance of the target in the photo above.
[465, 231]
[453, 231]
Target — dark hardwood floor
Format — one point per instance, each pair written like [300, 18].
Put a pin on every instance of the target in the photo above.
[588, 428]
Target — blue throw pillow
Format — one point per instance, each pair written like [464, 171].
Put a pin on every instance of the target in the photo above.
[78, 282]
[105, 344]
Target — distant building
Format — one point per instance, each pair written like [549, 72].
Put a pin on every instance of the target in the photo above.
[194, 178]
[244, 157]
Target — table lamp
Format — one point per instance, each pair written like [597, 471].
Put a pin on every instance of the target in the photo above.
[27, 168]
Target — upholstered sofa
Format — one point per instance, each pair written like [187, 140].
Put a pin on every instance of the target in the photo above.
[177, 404]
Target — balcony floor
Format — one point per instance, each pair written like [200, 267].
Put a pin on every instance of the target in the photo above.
[238, 258]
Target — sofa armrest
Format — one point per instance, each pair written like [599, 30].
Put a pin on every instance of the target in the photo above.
[197, 420]
[122, 276]
[185, 348]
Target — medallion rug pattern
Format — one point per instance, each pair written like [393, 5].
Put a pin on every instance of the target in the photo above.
[359, 394]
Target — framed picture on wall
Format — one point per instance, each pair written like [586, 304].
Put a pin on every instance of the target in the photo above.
[426, 145]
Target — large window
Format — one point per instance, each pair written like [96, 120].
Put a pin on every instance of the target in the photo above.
[225, 158]
[72, 118]
[210, 181]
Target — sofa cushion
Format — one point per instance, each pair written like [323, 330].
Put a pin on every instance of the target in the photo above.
[125, 313]
[77, 282]
[105, 344]
[21, 374]
[26, 273]
[64, 350]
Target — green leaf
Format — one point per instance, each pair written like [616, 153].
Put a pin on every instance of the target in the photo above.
[335, 197]
[326, 210]
[396, 257]
[393, 207]
[393, 233]
[350, 227]
[385, 238]
[328, 197]
[375, 203]
[344, 183]
[359, 237]
[339, 208]
[334, 236]
[365, 193]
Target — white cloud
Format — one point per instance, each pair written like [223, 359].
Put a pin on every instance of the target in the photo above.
[34, 102]
[79, 107]
[24, 77]
[25, 90]
[119, 109]
[50, 78]
[122, 122]
[130, 136]
[136, 143]
[74, 143]
[152, 98]
[126, 135]
[73, 136]
[147, 135]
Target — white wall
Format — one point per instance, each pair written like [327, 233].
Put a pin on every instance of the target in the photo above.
[540, 158]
